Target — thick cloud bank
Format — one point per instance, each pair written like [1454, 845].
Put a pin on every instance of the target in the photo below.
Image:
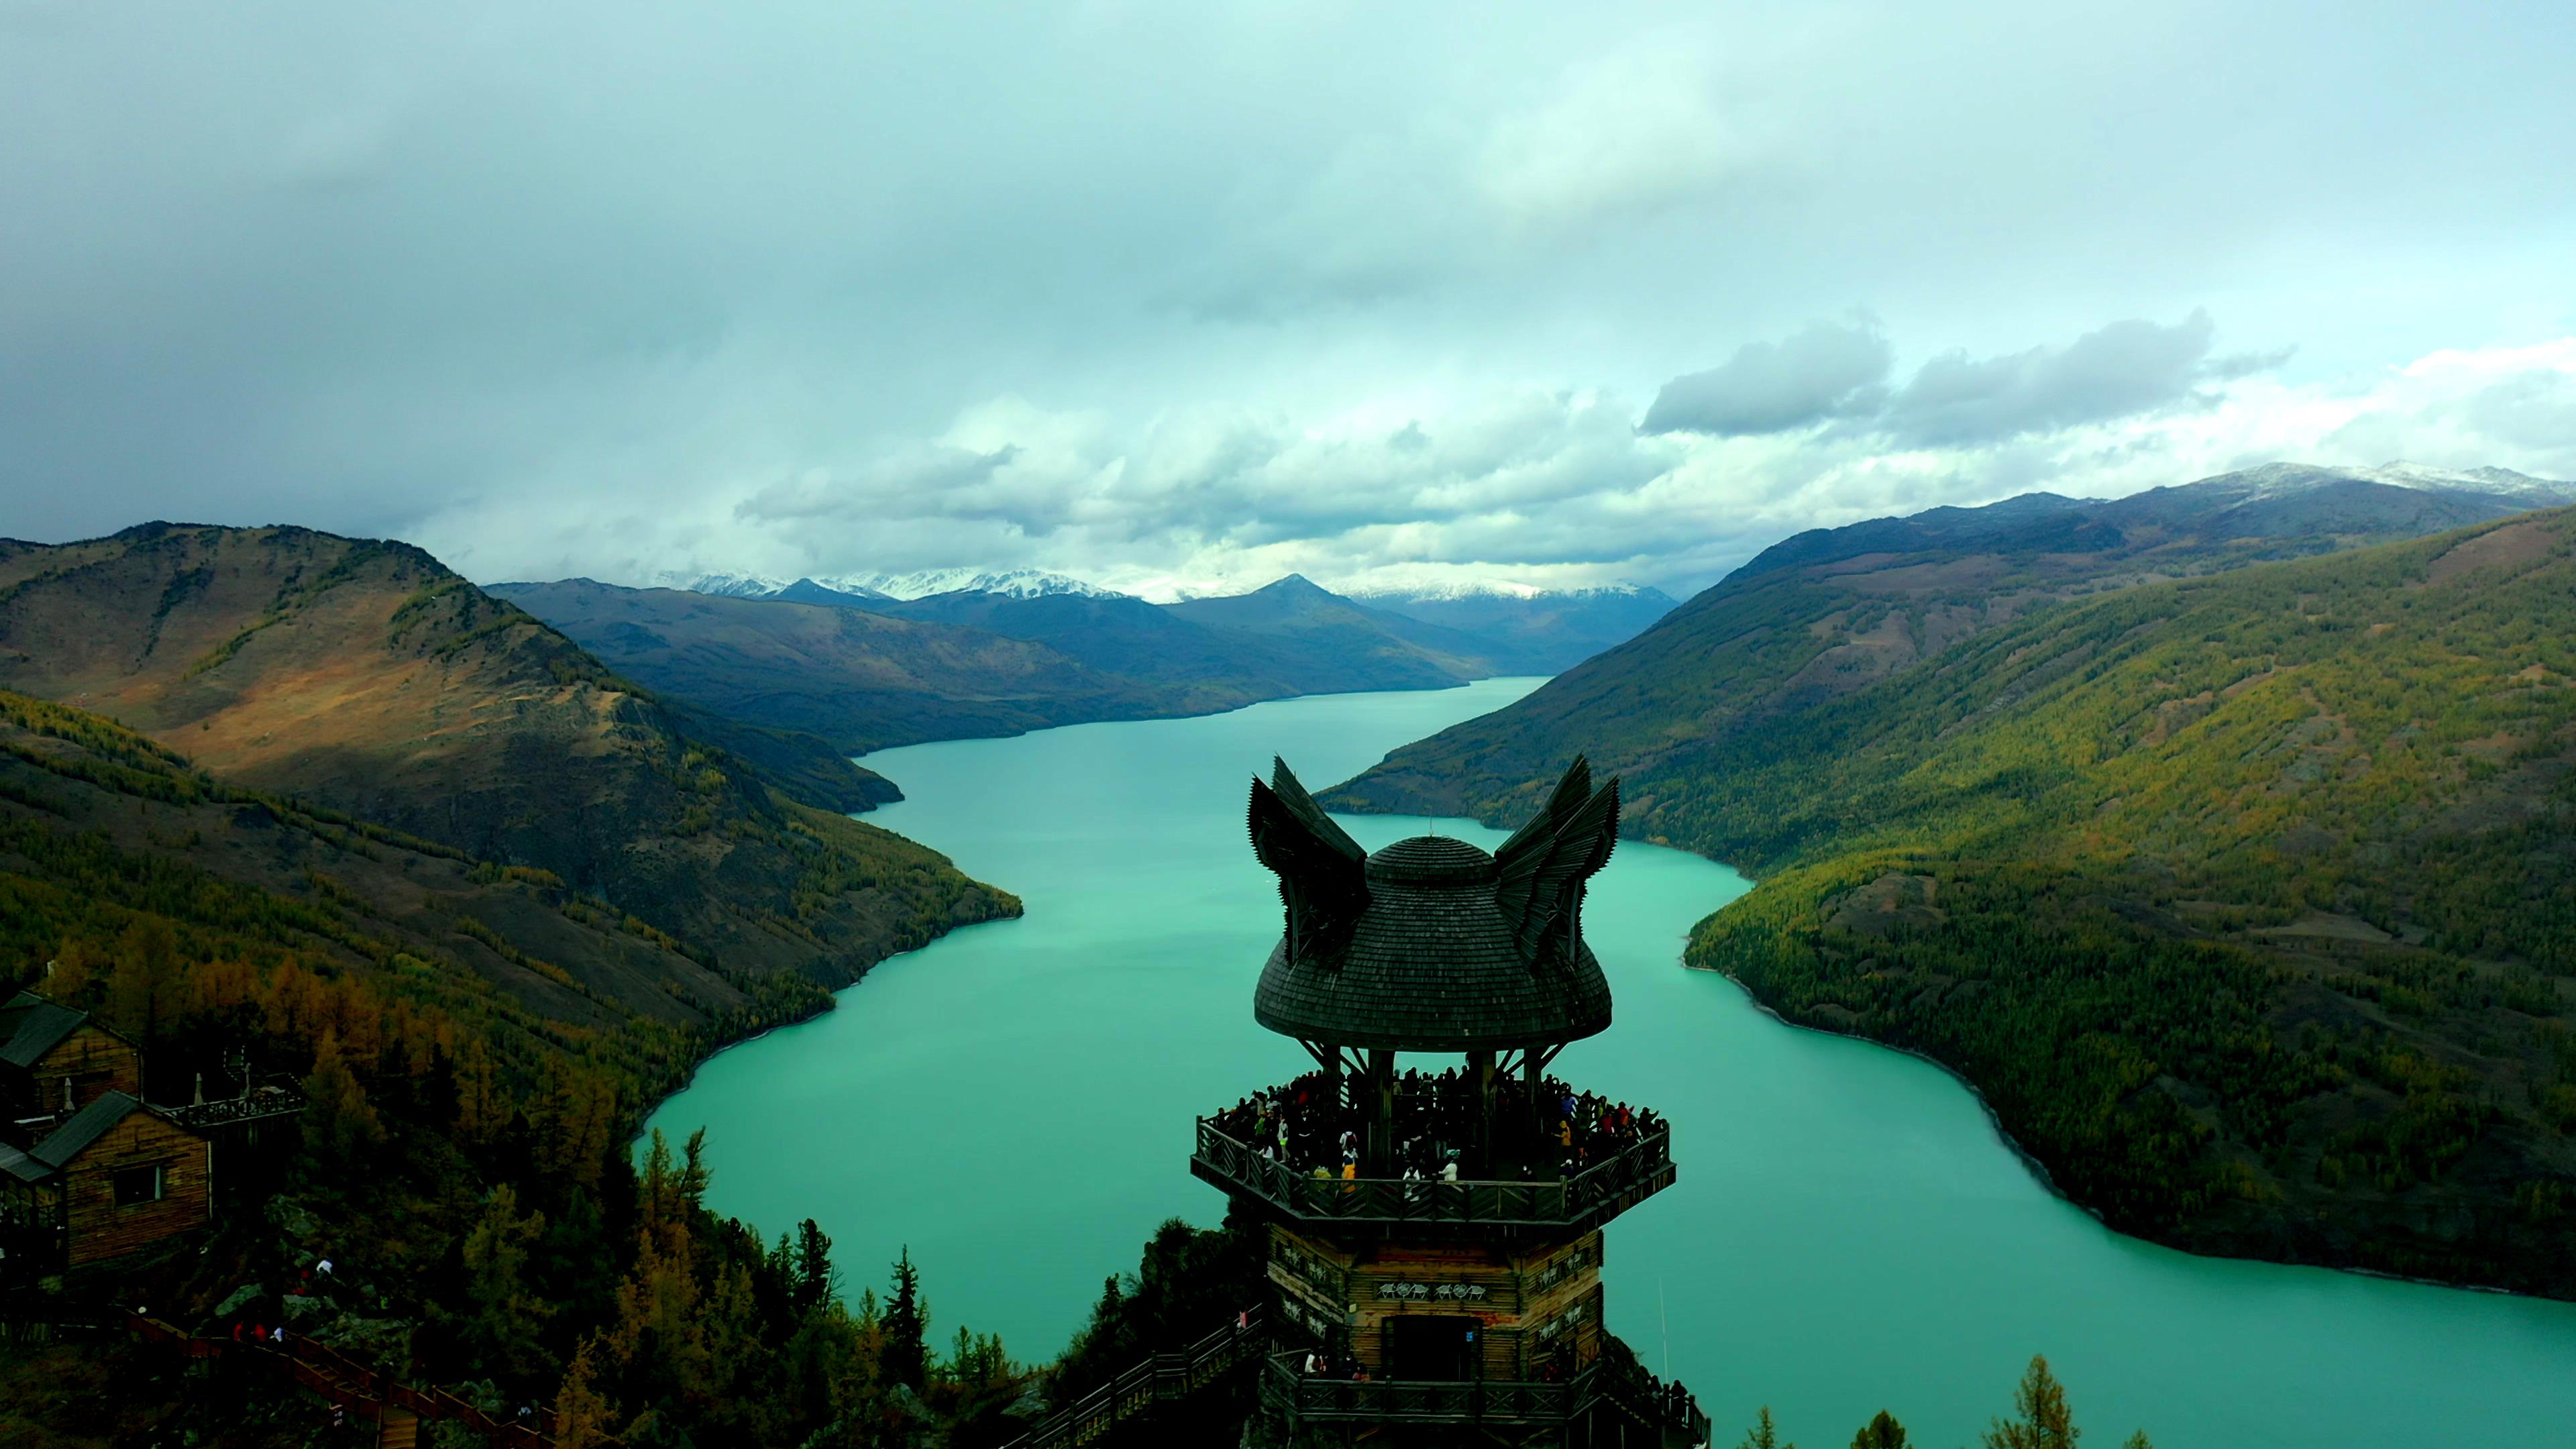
[1180, 295]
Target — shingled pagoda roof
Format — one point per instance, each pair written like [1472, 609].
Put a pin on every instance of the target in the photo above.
[1431, 944]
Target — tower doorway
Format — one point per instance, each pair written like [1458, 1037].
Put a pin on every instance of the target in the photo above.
[1435, 1346]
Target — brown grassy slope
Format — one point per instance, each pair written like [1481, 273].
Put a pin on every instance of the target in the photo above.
[368, 678]
[865, 681]
[98, 815]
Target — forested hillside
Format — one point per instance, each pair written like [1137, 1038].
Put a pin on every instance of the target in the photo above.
[368, 679]
[2249, 900]
[868, 673]
[476, 1042]
[863, 680]
[1831, 611]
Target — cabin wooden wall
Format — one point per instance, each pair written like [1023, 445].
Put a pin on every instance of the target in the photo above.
[100, 1229]
[1534, 1297]
[97, 1060]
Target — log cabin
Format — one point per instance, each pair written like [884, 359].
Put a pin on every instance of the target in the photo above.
[55, 1060]
[117, 1177]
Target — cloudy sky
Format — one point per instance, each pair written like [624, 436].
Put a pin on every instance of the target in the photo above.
[1202, 293]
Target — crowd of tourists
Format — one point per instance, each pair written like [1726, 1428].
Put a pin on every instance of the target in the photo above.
[1306, 1126]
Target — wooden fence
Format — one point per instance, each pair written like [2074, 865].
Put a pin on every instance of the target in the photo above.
[1164, 1376]
[342, 1380]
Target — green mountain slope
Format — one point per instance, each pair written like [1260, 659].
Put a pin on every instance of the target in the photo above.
[1836, 610]
[2249, 900]
[368, 679]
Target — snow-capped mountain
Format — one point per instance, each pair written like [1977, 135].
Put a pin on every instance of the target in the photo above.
[1454, 590]
[1011, 583]
[2273, 480]
[731, 586]
[2502, 482]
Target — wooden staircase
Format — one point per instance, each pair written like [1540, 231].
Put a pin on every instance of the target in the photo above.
[1164, 1376]
[395, 1408]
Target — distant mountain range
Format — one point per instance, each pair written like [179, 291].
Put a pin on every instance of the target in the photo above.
[875, 661]
[1017, 583]
[2219, 834]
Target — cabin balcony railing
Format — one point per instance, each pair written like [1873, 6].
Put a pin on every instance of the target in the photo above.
[1576, 1204]
[1514, 1402]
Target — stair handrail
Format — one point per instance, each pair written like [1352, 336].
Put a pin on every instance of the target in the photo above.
[1112, 1397]
[313, 1364]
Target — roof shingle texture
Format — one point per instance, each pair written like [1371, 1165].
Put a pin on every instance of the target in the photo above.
[1431, 966]
[31, 1026]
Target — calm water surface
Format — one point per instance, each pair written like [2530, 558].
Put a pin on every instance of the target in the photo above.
[1014, 1103]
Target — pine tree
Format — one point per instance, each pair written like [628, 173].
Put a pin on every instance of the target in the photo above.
[1881, 1432]
[506, 1314]
[1764, 1434]
[2044, 1422]
[811, 1259]
[907, 1327]
[2137, 1440]
[339, 1123]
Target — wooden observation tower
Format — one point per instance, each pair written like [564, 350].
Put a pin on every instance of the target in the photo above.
[1435, 1226]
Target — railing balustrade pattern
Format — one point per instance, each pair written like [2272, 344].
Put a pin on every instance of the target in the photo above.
[1164, 1376]
[1596, 1194]
[1512, 1401]
[343, 1380]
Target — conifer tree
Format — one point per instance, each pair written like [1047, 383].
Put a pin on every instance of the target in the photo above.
[339, 1122]
[1881, 1432]
[2044, 1421]
[907, 1327]
[1764, 1434]
[811, 1260]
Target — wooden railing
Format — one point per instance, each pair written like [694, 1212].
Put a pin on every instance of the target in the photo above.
[1675, 1420]
[1579, 1203]
[1162, 1377]
[343, 1380]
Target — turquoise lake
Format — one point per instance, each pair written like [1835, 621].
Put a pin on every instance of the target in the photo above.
[1014, 1104]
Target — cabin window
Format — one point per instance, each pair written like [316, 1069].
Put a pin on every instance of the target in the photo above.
[136, 1186]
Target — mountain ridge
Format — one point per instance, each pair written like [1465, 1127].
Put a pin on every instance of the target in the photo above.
[365, 677]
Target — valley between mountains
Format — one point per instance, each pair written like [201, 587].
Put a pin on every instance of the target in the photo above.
[2224, 837]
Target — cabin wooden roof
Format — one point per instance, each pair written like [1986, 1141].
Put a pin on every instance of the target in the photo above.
[1432, 944]
[31, 1026]
[69, 1140]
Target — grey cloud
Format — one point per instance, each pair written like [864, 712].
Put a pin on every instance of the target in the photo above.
[930, 481]
[557, 287]
[2119, 371]
[1825, 371]
[1832, 373]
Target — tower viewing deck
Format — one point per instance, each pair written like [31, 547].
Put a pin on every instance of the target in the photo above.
[1292, 1147]
[1435, 1235]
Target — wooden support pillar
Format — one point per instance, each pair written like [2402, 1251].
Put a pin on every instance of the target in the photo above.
[1377, 1146]
[1480, 1071]
[1542, 1115]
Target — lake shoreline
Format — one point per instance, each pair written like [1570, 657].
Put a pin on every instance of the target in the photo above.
[2039, 1169]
